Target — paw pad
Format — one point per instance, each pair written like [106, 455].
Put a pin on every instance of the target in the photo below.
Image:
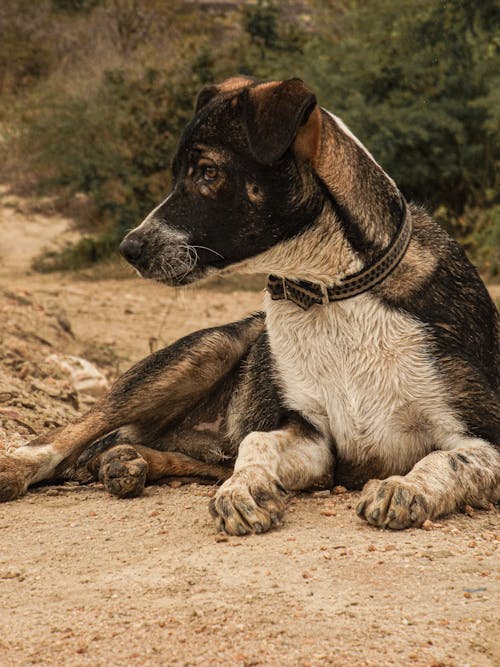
[123, 472]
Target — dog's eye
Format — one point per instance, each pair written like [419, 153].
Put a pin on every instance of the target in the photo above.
[209, 172]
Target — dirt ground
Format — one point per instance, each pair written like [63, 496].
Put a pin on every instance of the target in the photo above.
[87, 579]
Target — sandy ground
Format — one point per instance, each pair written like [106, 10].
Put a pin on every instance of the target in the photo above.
[87, 579]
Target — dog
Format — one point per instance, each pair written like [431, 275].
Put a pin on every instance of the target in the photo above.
[375, 364]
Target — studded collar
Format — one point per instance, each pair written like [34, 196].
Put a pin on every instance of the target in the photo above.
[306, 294]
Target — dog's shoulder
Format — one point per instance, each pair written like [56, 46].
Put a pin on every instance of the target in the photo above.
[437, 285]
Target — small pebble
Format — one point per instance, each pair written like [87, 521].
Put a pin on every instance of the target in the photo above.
[321, 494]
[10, 572]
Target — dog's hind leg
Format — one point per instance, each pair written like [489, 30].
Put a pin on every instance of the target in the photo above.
[269, 465]
[159, 389]
[125, 469]
[466, 473]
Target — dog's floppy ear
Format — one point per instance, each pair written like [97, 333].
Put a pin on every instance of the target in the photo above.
[276, 114]
[204, 96]
[209, 91]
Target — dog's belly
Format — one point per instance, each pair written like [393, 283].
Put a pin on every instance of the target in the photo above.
[362, 374]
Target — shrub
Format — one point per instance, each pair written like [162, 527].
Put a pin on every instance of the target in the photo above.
[115, 147]
[417, 82]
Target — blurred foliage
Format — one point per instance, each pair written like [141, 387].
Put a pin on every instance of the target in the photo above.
[74, 5]
[95, 93]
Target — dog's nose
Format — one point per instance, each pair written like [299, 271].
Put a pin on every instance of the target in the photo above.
[131, 248]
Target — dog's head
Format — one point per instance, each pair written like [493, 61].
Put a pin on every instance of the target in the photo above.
[243, 181]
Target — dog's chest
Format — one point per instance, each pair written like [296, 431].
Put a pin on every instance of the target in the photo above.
[361, 373]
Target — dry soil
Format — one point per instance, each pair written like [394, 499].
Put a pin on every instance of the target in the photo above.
[87, 579]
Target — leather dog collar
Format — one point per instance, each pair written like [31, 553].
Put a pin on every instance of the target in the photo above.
[306, 294]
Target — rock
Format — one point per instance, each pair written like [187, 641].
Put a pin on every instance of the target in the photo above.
[12, 572]
[64, 323]
[87, 380]
[325, 493]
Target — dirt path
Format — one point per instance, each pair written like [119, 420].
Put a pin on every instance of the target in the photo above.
[25, 233]
[86, 579]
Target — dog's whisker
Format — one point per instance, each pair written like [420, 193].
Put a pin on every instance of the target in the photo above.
[203, 247]
[166, 268]
[190, 263]
[194, 255]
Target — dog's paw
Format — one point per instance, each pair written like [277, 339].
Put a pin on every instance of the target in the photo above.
[251, 501]
[123, 471]
[14, 478]
[393, 503]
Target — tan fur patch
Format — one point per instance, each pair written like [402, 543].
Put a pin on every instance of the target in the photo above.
[163, 464]
[234, 83]
[416, 267]
[307, 142]
[253, 193]
[339, 163]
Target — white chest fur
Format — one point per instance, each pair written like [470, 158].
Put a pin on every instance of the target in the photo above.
[363, 374]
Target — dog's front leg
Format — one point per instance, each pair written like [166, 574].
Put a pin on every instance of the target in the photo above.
[157, 390]
[442, 482]
[269, 466]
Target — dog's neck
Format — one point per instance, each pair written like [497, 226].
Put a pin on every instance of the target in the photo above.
[322, 254]
[306, 294]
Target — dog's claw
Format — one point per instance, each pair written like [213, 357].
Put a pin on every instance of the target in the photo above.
[393, 503]
[251, 501]
[360, 508]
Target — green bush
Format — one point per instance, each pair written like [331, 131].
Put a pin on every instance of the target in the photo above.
[483, 242]
[116, 148]
[413, 80]
[417, 82]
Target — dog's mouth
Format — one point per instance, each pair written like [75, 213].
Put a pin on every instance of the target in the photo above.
[191, 265]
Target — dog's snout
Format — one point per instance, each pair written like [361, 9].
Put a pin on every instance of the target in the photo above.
[131, 248]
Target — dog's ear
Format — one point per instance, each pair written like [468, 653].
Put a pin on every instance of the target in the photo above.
[204, 96]
[209, 91]
[277, 115]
